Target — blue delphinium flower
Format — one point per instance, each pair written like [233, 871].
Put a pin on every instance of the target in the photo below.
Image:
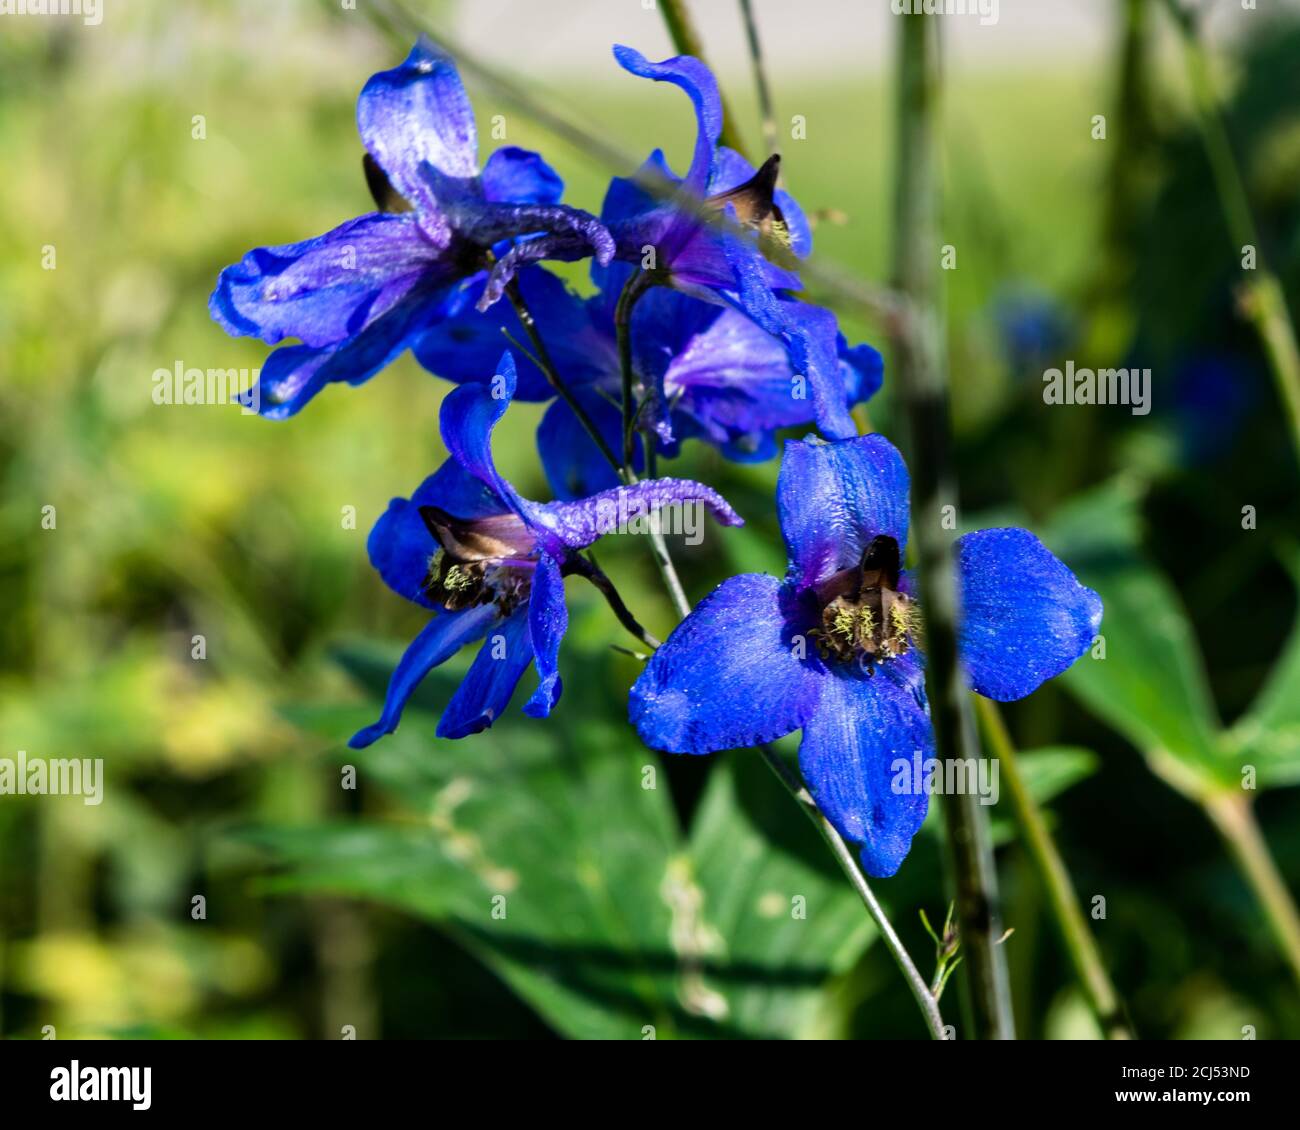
[716, 375]
[490, 563]
[832, 649]
[357, 296]
[729, 236]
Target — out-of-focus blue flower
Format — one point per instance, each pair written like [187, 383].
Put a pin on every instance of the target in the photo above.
[491, 565]
[1213, 395]
[832, 649]
[1032, 327]
[709, 371]
[726, 235]
[357, 296]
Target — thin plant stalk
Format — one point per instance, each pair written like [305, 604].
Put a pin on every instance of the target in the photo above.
[926, 1000]
[686, 41]
[1233, 815]
[634, 288]
[1264, 301]
[920, 372]
[765, 108]
[1061, 895]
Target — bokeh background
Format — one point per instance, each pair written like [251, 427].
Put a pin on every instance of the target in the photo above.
[329, 907]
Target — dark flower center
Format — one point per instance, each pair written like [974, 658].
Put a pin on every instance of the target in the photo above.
[479, 561]
[755, 206]
[864, 618]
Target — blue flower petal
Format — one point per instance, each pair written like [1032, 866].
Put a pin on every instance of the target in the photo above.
[519, 176]
[833, 498]
[1024, 616]
[467, 343]
[577, 524]
[863, 370]
[730, 675]
[400, 543]
[441, 638]
[697, 81]
[574, 465]
[468, 415]
[811, 336]
[326, 289]
[415, 113]
[863, 757]
[293, 374]
[491, 679]
[548, 619]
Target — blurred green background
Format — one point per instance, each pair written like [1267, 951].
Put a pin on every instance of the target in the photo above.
[629, 906]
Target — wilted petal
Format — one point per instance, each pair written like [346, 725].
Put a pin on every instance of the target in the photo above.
[1024, 616]
[578, 524]
[733, 673]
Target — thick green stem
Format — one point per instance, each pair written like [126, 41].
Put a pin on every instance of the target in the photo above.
[920, 374]
[925, 999]
[1232, 814]
[1263, 301]
[1061, 896]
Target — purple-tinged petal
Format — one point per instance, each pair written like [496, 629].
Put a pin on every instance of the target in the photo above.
[326, 289]
[468, 415]
[811, 336]
[1024, 616]
[833, 498]
[578, 524]
[519, 176]
[574, 465]
[400, 543]
[548, 619]
[441, 638]
[293, 374]
[863, 757]
[573, 235]
[697, 81]
[734, 673]
[415, 113]
[485, 692]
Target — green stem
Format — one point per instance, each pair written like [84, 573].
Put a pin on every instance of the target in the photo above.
[925, 1000]
[920, 373]
[637, 284]
[1061, 895]
[1233, 816]
[547, 366]
[687, 42]
[1264, 302]
[760, 77]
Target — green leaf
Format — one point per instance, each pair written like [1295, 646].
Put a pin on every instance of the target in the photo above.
[1048, 772]
[1268, 734]
[773, 903]
[1151, 684]
[606, 920]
